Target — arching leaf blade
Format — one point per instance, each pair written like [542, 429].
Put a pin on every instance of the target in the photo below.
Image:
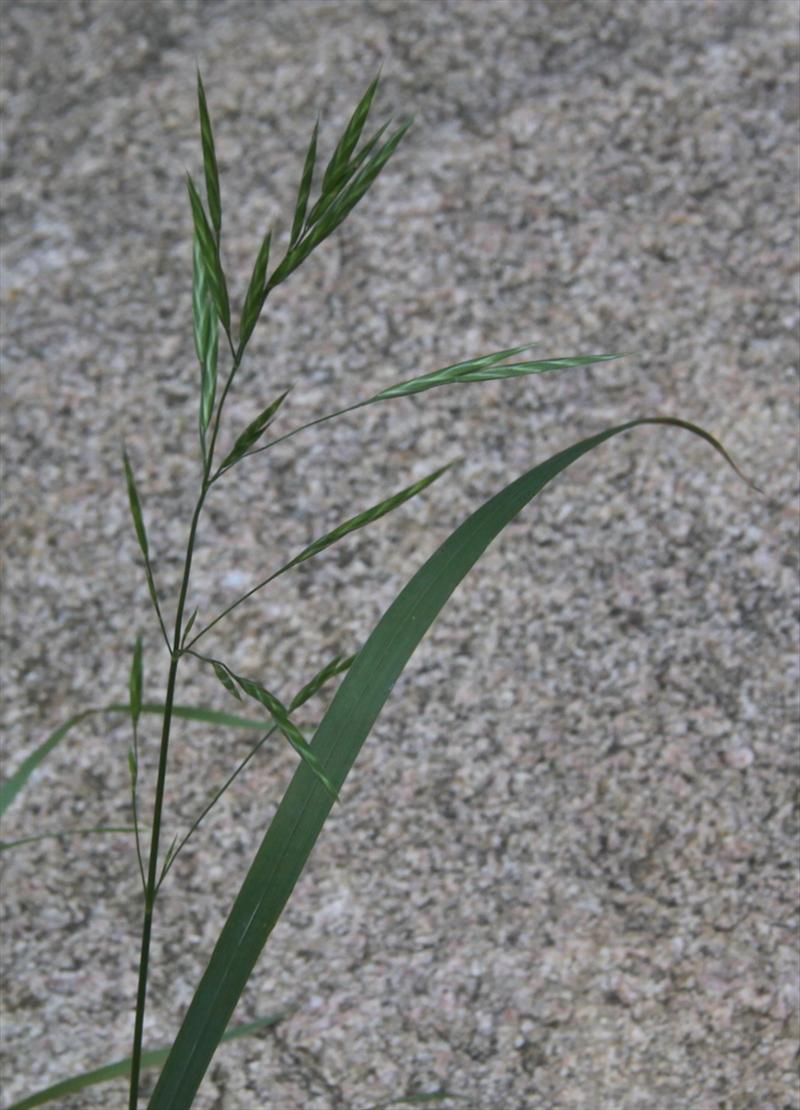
[120, 1069]
[355, 707]
[12, 785]
[58, 834]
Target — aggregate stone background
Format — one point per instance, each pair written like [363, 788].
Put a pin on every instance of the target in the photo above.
[564, 873]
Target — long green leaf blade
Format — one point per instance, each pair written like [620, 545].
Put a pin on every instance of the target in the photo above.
[120, 1069]
[12, 785]
[355, 707]
[57, 834]
[417, 1100]
[203, 715]
[209, 158]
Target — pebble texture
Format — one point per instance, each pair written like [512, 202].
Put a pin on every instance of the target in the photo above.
[564, 870]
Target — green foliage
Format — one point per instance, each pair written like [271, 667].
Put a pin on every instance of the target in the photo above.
[356, 705]
[121, 1069]
[369, 675]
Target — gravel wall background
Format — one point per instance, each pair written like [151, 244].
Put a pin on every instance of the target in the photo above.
[564, 870]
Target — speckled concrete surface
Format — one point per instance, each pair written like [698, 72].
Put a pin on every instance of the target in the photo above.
[564, 873]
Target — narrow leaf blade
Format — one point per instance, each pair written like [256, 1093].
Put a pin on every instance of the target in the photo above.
[14, 784]
[57, 834]
[204, 716]
[356, 705]
[120, 1069]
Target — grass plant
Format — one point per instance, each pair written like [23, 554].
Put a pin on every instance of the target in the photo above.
[367, 677]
